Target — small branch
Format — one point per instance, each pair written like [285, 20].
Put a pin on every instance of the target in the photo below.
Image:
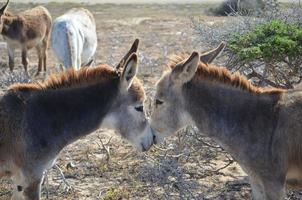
[225, 166]
[269, 82]
[68, 186]
[207, 144]
[107, 149]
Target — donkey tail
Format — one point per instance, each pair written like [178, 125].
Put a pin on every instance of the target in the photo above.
[63, 43]
[72, 58]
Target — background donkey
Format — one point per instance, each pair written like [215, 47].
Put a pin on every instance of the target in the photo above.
[26, 30]
[38, 120]
[74, 38]
[259, 127]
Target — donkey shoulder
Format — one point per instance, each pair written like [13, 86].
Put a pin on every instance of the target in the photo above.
[36, 11]
[290, 125]
[81, 15]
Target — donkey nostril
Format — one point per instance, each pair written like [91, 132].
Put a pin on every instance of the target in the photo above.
[154, 139]
[19, 188]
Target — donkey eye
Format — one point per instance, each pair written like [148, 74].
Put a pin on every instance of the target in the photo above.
[139, 108]
[158, 102]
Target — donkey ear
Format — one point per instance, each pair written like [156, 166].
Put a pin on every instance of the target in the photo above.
[3, 9]
[185, 71]
[132, 50]
[209, 56]
[129, 71]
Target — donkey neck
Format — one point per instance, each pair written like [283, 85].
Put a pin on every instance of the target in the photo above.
[11, 26]
[229, 114]
[56, 118]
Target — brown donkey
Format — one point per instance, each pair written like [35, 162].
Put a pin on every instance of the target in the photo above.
[38, 120]
[260, 127]
[26, 30]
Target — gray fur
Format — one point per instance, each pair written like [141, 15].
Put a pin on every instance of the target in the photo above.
[260, 128]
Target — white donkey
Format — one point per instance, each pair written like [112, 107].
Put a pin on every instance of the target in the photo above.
[74, 39]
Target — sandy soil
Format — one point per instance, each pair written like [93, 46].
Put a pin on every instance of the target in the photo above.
[186, 166]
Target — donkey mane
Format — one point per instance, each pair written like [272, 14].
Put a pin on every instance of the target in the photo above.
[71, 78]
[86, 76]
[222, 75]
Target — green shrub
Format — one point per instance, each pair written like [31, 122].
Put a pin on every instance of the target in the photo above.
[275, 41]
[277, 44]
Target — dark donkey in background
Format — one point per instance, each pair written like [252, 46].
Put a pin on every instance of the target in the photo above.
[26, 30]
[38, 120]
[260, 127]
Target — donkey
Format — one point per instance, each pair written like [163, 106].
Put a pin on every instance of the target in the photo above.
[26, 30]
[259, 127]
[74, 38]
[37, 120]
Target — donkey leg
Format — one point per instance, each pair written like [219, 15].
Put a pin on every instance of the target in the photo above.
[11, 57]
[40, 57]
[267, 188]
[274, 190]
[79, 61]
[44, 53]
[25, 60]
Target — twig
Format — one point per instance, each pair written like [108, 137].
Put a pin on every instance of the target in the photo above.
[159, 148]
[271, 83]
[69, 187]
[225, 166]
[207, 144]
[107, 149]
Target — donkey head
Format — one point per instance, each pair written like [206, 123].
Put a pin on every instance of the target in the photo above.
[169, 114]
[2, 13]
[127, 115]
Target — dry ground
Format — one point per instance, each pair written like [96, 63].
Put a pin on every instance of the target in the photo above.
[186, 166]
